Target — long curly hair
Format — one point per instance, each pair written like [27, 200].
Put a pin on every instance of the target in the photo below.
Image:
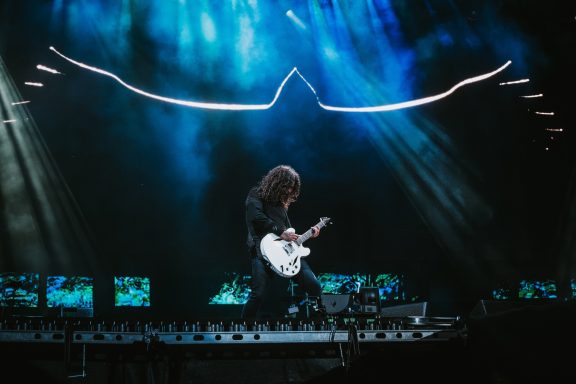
[281, 185]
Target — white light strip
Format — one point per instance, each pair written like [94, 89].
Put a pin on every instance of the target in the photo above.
[44, 68]
[252, 107]
[545, 113]
[555, 129]
[192, 104]
[21, 102]
[34, 84]
[533, 96]
[9, 121]
[515, 82]
[406, 104]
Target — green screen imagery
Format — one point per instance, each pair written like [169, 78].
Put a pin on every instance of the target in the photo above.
[69, 292]
[390, 286]
[537, 289]
[131, 291]
[19, 290]
[234, 290]
[335, 283]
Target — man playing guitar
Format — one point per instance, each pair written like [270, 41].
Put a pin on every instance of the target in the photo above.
[267, 206]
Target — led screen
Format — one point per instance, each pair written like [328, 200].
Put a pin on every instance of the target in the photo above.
[537, 289]
[334, 283]
[131, 291]
[69, 292]
[19, 290]
[234, 290]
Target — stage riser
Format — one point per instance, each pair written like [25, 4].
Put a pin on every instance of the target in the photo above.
[228, 338]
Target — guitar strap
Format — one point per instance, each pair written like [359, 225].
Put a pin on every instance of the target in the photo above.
[288, 225]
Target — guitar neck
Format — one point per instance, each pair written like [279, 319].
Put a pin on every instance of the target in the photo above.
[309, 233]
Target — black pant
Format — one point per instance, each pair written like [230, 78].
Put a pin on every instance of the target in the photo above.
[263, 274]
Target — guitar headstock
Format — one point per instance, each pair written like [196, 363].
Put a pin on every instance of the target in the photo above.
[325, 221]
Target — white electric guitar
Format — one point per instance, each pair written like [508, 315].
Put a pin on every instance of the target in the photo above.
[284, 256]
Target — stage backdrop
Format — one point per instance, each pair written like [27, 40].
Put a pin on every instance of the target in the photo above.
[132, 131]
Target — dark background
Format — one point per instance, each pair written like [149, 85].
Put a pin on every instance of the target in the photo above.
[461, 196]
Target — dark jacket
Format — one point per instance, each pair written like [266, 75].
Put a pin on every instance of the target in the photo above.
[261, 219]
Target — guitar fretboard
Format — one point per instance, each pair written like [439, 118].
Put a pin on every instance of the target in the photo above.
[308, 234]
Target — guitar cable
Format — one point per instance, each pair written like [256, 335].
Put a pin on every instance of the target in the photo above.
[353, 344]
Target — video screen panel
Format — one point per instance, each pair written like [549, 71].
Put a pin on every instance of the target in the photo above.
[19, 290]
[131, 291]
[235, 289]
[335, 283]
[537, 289]
[70, 292]
[391, 286]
